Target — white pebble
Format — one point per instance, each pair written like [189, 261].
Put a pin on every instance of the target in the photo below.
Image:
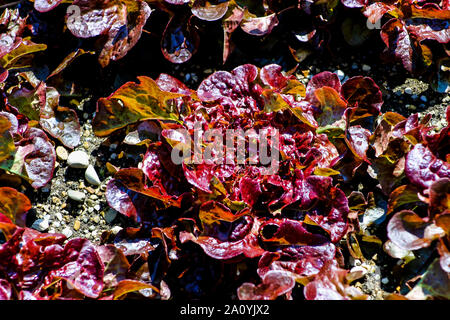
[78, 159]
[40, 225]
[62, 153]
[91, 176]
[116, 229]
[67, 232]
[408, 91]
[76, 195]
[340, 74]
[59, 216]
[110, 215]
[366, 67]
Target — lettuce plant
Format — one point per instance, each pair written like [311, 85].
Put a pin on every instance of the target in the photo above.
[289, 227]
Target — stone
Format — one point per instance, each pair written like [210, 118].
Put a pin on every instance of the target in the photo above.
[110, 215]
[116, 229]
[78, 159]
[67, 232]
[76, 225]
[408, 90]
[366, 67]
[91, 176]
[340, 74]
[56, 224]
[59, 216]
[423, 98]
[40, 225]
[62, 153]
[76, 195]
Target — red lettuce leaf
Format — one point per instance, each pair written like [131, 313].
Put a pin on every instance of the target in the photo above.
[301, 261]
[423, 168]
[14, 205]
[82, 268]
[274, 284]
[180, 40]
[395, 35]
[331, 284]
[46, 5]
[258, 26]
[363, 94]
[204, 10]
[409, 231]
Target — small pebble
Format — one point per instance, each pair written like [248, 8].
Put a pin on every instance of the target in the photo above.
[116, 229]
[62, 153]
[40, 225]
[67, 232]
[385, 280]
[59, 216]
[408, 90]
[90, 190]
[423, 98]
[76, 225]
[340, 74]
[110, 215]
[91, 176]
[366, 67]
[78, 159]
[76, 195]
